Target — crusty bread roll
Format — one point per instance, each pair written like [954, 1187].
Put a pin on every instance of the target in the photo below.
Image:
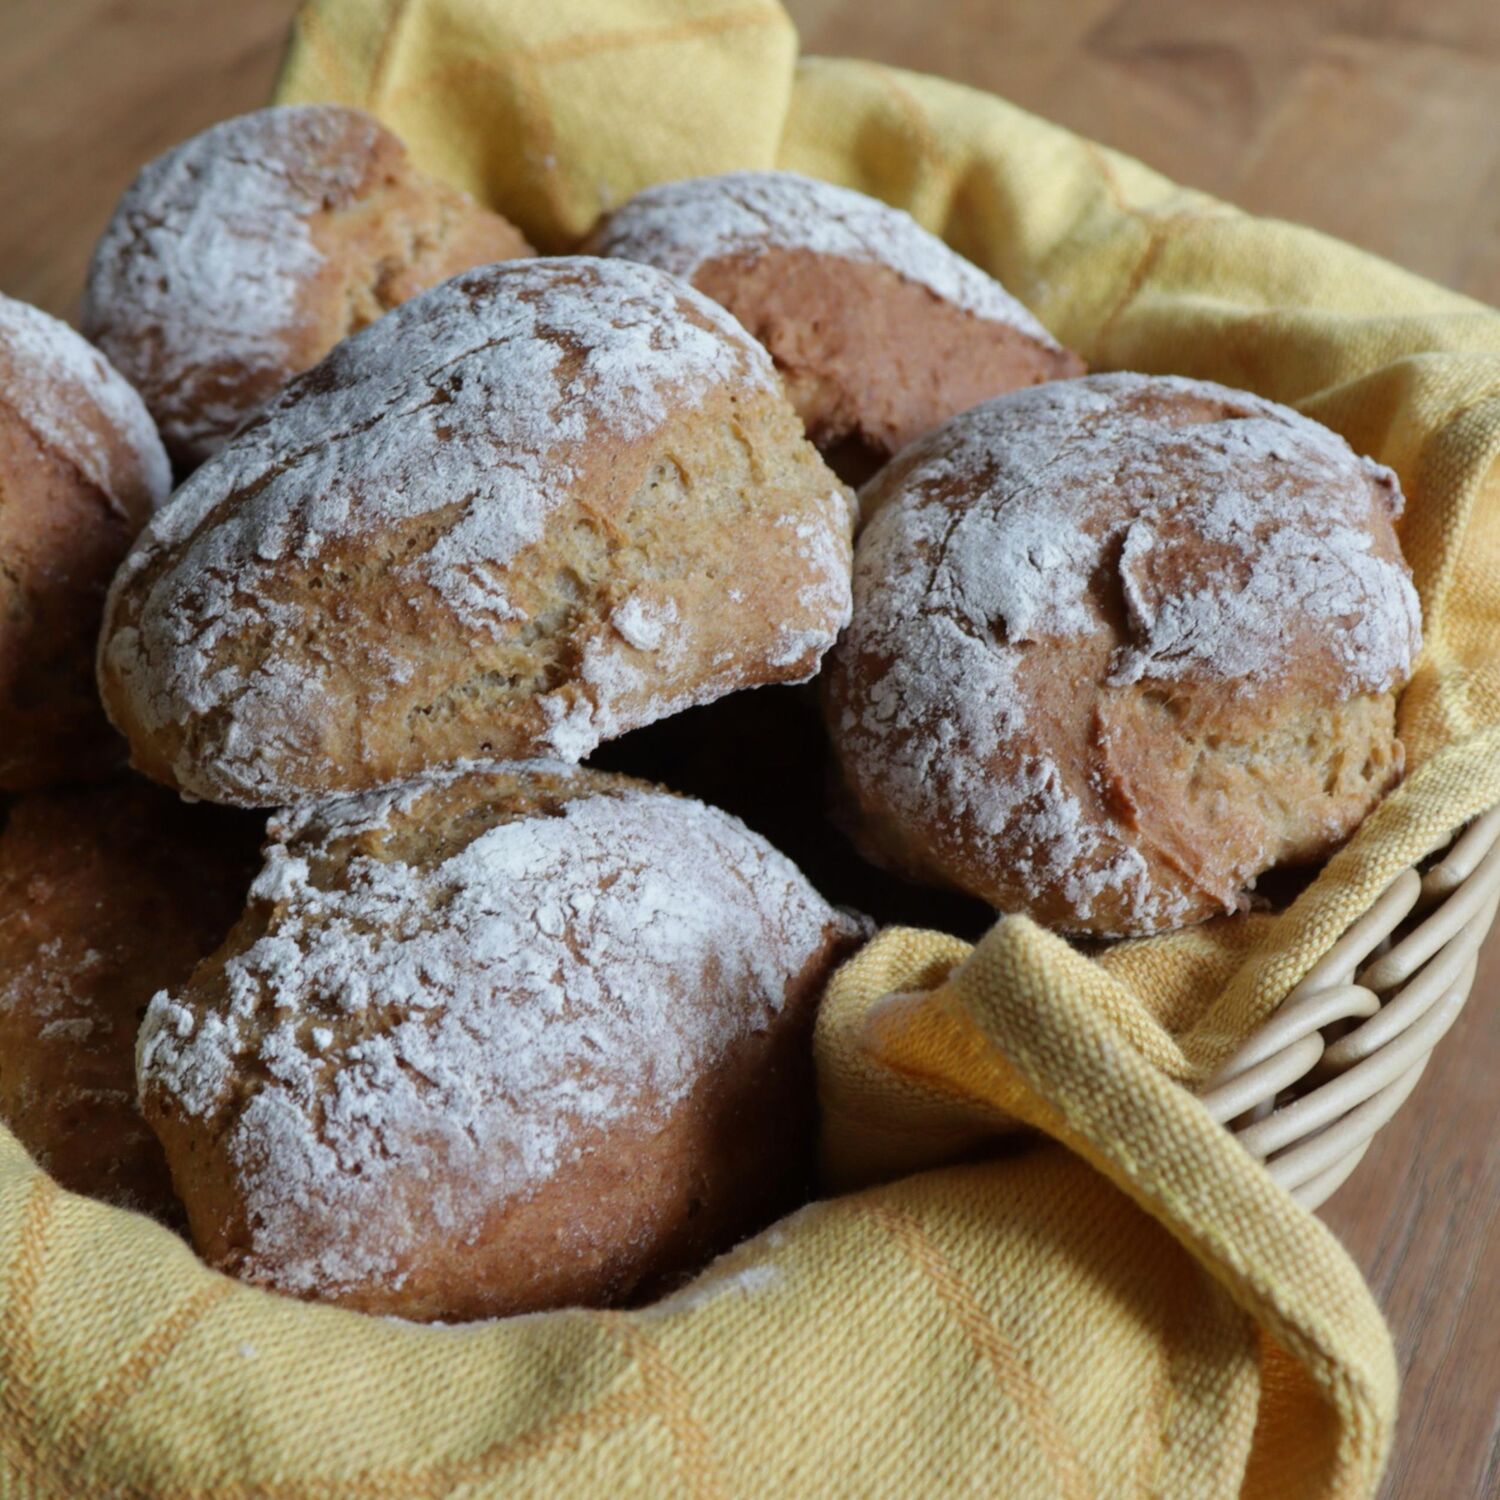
[81, 469]
[879, 330]
[506, 1038]
[241, 257]
[1119, 646]
[535, 507]
[107, 894]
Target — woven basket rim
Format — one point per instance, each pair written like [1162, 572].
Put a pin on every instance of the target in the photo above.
[1307, 1093]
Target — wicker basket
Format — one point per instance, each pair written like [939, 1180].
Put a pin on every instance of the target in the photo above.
[1307, 1094]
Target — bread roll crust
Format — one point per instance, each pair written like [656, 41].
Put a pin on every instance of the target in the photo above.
[239, 258]
[542, 504]
[81, 470]
[108, 893]
[878, 329]
[502, 1039]
[1119, 646]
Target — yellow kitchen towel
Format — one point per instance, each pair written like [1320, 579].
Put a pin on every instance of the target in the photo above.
[550, 107]
[1113, 1301]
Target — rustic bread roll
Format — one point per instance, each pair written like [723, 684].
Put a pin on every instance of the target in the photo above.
[1119, 646]
[531, 509]
[502, 1039]
[81, 469]
[241, 257]
[107, 894]
[879, 330]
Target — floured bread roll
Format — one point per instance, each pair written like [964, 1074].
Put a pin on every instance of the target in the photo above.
[1119, 646]
[241, 257]
[544, 503]
[506, 1038]
[107, 893]
[879, 330]
[81, 470]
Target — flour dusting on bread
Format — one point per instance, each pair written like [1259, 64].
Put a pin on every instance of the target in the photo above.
[463, 1012]
[75, 402]
[1144, 533]
[451, 432]
[1220, 528]
[681, 226]
[212, 246]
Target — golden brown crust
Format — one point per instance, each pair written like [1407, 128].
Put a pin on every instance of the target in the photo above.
[505, 1039]
[241, 257]
[107, 894]
[527, 511]
[1121, 645]
[642, 1204]
[879, 330]
[80, 472]
[866, 354]
[61, 541]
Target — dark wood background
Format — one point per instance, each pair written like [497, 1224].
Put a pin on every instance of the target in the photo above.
[1378, 120]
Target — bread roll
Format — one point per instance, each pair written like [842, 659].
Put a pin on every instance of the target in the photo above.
[107, 894]
[81, 469]
[506, 1038]
[1120, 645]
[879, 330]
[531, 509]
[241, 257]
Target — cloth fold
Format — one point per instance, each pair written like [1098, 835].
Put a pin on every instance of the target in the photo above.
[1042, 1269]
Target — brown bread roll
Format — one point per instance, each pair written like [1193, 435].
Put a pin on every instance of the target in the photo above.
[533, 508]
[241, 257]
[1119, 646]
[878, 329]
[81, 470]
[506, 1038]
[108, 893]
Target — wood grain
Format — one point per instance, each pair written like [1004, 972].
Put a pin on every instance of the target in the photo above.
[91, 89]
[1374, 119]
[1377, 120]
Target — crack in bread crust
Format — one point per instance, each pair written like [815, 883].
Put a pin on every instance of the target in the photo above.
[1120, 645]
[541, 505]
[499, 1039]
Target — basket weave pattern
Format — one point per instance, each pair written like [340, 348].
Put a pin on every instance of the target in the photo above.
[1308, 1092]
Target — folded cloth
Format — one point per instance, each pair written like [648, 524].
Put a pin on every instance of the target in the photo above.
[1046, 1271]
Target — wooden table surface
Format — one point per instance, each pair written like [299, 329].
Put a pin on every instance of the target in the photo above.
[1374, 119]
